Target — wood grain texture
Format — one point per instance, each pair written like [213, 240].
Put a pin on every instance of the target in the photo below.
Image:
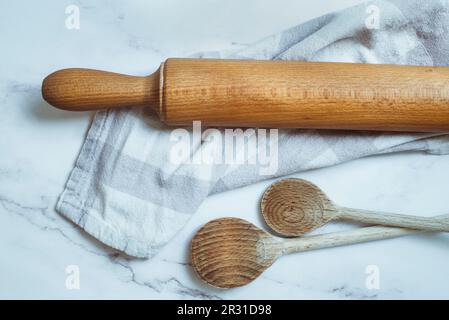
[226, 252]
[292, 207]
[231, 252]
[305, 95]
[86, 89]
[280, 94]
[392, 219]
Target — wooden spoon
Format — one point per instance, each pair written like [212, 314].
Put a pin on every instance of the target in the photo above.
[231, 252]
[292, 207]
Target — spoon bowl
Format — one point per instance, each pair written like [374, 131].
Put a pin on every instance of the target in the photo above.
[292, 207]
[231, 252]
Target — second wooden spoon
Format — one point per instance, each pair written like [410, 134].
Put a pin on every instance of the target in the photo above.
[292, 207]
[231, 252]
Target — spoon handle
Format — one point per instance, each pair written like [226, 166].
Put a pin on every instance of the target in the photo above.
[394, 219]
[343, 238]
[347, 237]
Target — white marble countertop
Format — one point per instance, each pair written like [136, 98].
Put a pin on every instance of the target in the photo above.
[39, 144]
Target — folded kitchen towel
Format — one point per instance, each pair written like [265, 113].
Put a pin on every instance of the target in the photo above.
[136, 182]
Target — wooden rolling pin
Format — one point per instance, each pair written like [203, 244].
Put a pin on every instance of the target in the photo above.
[276, 94]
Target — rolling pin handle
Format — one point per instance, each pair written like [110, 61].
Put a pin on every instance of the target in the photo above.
[86, 89]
